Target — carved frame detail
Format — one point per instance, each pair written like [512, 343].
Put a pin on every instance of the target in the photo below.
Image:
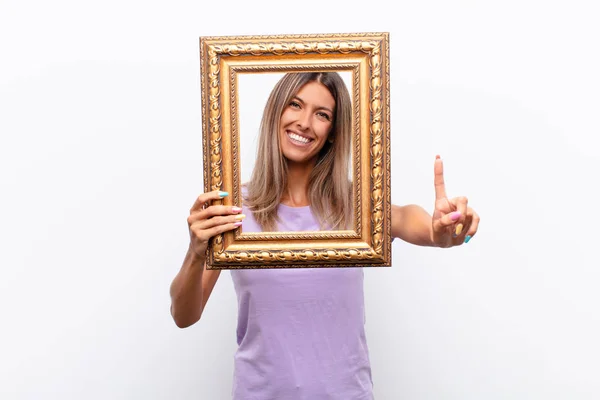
[367, 56]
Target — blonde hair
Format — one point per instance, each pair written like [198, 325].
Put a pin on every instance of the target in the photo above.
[330, 190]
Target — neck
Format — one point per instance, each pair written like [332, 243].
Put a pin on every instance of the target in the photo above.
[296, 192]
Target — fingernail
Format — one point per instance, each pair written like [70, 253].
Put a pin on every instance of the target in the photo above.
[223, 194]
[455, 215]
[239, 217]
[467, 238]
[459, 229]
[236, 209]
[238, 223]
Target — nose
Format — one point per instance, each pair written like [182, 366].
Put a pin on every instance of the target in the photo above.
[303, 121]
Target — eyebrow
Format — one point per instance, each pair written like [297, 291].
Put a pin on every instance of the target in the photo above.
[320, 108]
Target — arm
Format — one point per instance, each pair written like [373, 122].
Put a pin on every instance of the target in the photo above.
[191, 289]
[193, 284]
[412, 224]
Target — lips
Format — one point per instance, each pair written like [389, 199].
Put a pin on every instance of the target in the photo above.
[298, 139]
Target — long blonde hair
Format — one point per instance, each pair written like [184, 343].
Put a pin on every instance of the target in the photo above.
[330, 190]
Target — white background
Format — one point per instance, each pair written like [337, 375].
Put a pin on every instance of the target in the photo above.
[100, 160]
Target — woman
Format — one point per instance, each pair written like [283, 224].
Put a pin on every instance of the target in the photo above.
[301, 331]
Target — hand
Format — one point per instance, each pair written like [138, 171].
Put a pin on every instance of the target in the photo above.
[453, 222]
[206, 221]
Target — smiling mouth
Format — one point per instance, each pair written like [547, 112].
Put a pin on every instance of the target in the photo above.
[297, 139]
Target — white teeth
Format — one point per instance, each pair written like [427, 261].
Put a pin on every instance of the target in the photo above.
[298, 138]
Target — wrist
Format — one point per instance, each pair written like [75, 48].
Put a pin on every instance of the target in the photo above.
[194, 257]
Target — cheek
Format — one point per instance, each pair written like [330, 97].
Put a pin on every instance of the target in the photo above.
[324, 129]
[283, 120]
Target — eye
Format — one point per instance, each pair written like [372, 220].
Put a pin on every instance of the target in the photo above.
[324, 115]
[294, 104]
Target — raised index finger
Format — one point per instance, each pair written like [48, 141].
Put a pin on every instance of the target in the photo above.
[438, 179]
[206, 197]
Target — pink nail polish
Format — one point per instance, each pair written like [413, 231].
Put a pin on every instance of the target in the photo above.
[236, 209]
[455, 215]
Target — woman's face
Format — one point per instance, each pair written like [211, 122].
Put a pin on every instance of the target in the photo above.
[306, 123]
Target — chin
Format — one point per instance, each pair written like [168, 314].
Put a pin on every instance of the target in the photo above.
[296, 159]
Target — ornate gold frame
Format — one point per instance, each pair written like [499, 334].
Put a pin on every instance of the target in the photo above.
[366, 55]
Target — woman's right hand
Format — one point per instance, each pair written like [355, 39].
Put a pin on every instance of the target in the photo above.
[206, 221]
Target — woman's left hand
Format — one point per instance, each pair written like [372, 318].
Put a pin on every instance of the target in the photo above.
[453, 222]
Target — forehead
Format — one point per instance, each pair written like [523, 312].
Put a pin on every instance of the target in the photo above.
[317, 94]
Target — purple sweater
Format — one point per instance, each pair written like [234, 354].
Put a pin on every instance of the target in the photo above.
[300, 331]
